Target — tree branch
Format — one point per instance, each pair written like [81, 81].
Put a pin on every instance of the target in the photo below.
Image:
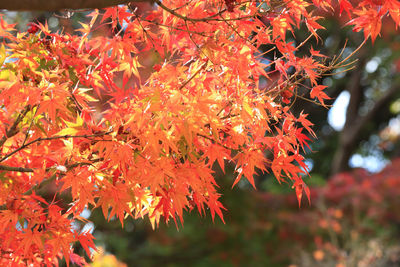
[56, 5]
[68, 167]
[205, 19]
[15, 169]
[13, 129]
[54, 176]
[50, 138]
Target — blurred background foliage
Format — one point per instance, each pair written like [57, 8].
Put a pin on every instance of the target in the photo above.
[354, 215]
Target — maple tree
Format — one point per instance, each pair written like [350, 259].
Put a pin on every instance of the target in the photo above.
[150, 149]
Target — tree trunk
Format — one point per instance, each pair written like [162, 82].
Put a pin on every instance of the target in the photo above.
[349, 135]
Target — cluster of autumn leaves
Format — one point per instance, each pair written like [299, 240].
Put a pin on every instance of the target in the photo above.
[149, 147]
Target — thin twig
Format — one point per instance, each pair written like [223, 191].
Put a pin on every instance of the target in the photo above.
[194, 75]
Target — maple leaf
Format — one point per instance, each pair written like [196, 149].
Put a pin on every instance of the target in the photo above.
[281, 67]
[217, 153]
[317, 92]
[312, 25]
[368, 21]
[302, 138]
[310, 67]
[393, 6]
[52, 104]
[306, 123]
[300, 187]
[316, 53]
[86, 240]
[31, 238]
[215, 206]
[345, 5]
[78, 260]
[280, 25]
[323, 4]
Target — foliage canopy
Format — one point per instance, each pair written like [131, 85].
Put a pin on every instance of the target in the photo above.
[149, 147]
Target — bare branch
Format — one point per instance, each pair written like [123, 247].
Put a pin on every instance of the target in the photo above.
[56, 5]
[209, 18]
